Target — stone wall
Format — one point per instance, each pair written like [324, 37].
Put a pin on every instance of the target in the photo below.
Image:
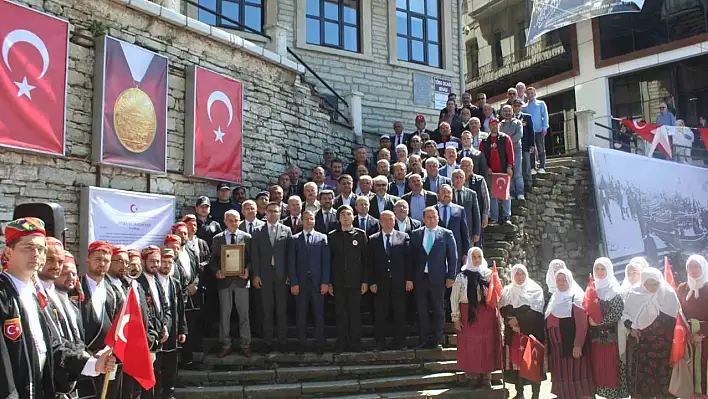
[558, 219]
[283, 122]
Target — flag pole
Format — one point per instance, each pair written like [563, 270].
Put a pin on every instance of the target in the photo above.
[106, 379]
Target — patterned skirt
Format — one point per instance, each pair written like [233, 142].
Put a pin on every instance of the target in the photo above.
[571, 378]
[479, 343]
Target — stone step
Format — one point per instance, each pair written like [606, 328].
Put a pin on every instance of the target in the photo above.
[258, 361]
[447, 393]
[329, 388]
[311, 373]
[293, 344]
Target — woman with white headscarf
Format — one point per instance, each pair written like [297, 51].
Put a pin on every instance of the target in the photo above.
[566, 328]
[521, 306]
[650, 312]
[477, 325]
[693, 296]
[633, 273]
[608, 371]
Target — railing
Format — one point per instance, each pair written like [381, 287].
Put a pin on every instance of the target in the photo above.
[241, 26]
[623, 141]
[534, 54]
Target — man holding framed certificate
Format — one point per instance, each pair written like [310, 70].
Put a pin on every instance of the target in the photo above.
[230, 262]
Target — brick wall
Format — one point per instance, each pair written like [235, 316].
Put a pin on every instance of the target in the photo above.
[282, 120]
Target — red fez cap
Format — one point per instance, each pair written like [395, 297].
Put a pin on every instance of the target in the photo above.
[150, 249]
[54, 241]
[168, 253]
[178, 225]
[172, 238]
[493, 120]
[28, 226]
[69, 258]
[420, 118]
[188, 218]
[119, 249]
[133, 253]
[100, 246]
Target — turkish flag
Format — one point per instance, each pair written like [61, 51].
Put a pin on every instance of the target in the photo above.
[500, 186]
[32, 79]
[495, 287]
[669, 274]
[216, 133]
[531, 367]
[127, 66]
[516, 348]
[128, 339]
[591, 302]
[678, 346]
[645, 131]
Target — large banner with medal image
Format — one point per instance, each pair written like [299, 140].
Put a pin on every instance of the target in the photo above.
[130, 106]
[33, 71]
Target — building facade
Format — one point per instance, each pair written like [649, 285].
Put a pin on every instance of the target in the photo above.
[620, 66]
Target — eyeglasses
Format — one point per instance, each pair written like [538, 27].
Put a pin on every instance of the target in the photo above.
[662, 107]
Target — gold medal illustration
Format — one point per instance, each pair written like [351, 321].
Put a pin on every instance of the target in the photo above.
[134, 120]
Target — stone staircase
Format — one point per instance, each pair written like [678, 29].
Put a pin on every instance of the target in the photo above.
[369, 374]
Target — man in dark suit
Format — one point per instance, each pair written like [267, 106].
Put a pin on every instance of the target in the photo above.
[309, 272]
[233, 290]
[381, 200]
[363, 220]
[434, 255]
[350, 278]
[433, 180]
[418, 199]
[399, 183]
[294, 219]
[346, 194]
[454, 218]
[391, 276]
[467, 198]
[270, 247]
[319, 177]
[326, 217]
[403, 222]
[469, 150]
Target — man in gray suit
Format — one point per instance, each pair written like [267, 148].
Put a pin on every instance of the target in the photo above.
[467, 198]
[233, 291]
[270, 247]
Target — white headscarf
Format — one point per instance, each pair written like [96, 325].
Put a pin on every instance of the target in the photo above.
[553, 267]
[528, 293]
[608, 287]
[561, 303]
[637, 262]
[482, 269]
[695, 284]
[642, 307]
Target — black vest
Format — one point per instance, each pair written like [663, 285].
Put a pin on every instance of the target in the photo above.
[501, 147]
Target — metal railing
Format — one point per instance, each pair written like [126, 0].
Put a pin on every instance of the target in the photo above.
[633, 143]
[246, 28]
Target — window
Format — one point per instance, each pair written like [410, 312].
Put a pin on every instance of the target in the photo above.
[245, 12]
[418, 31]
[472, 58]
[333, 23]
[497, 54]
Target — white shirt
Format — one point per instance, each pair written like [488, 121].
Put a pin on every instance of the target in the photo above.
[193, 244]
[427, 232]
[29, 305]
[98, 295]
[401, 225]
[64, 298]
[116, 282]
[228, 234]
[348, 200]
[153, 290]
[186, 264]
[165, 283]
[52, 293]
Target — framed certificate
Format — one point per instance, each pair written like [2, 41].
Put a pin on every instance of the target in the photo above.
[232, 260]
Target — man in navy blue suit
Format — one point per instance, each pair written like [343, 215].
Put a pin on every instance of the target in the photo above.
[309, 273]
[434, 255]
[454, 218]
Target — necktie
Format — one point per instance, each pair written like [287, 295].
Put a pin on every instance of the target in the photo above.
[309, 239]
[233, 237]
[362, 223]
[250, 228]
[444, 214]
[459, 197]
[272, 235]
[294, 223]
[429, 242]
[388, 244]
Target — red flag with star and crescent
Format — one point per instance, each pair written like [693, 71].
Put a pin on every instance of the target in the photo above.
[500, 186]
[645, 131]
[591, 302]
[216, 135]
[531, 367]
[495, 287]
[33, 75]
[128, 339]
[669, 273]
